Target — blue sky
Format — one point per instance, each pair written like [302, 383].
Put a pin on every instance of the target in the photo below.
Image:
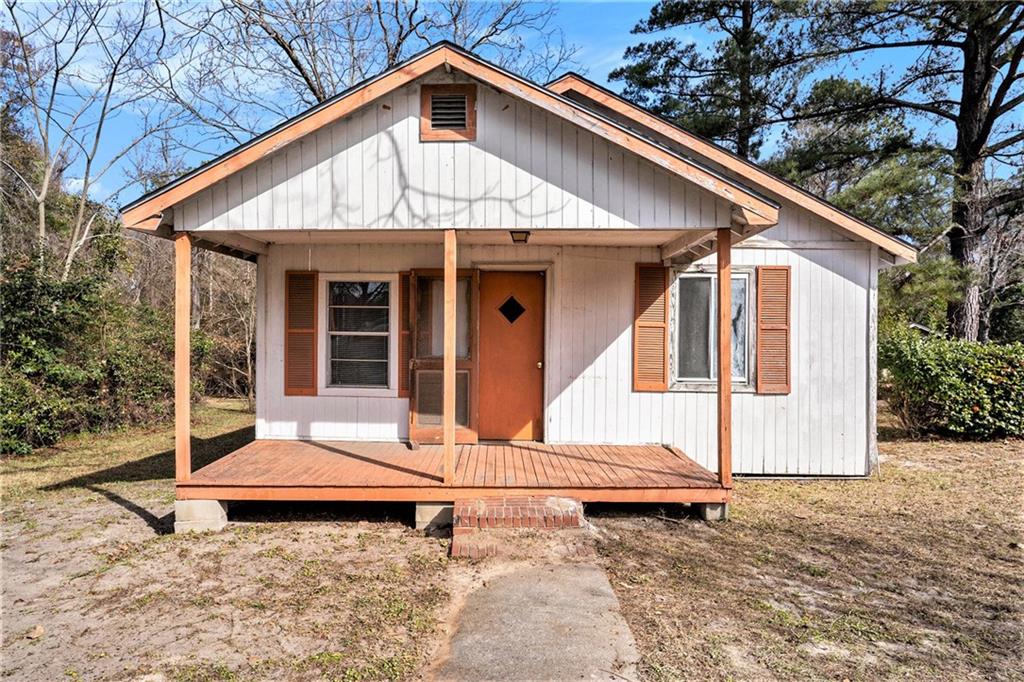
[601, 30]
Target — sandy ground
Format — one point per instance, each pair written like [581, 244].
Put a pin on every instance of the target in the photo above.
[913, 574]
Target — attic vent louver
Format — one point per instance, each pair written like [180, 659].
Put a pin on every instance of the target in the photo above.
[448, 112]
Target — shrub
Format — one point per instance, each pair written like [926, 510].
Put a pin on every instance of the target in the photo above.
[76, 357]
[939, 385]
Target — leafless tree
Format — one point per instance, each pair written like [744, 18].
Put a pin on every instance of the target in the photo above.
[1001, 282]
[73, 64]
[238, 66]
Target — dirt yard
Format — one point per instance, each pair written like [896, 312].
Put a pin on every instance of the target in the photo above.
[916, 573]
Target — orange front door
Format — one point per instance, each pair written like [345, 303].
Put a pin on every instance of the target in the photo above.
[511, 355]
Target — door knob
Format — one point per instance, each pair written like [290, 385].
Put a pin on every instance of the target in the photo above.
[540, 365]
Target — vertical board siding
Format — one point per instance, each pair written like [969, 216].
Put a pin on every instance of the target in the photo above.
[820, 427]
[527, 168]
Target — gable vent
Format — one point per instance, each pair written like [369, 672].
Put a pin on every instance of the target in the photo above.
[448, 112]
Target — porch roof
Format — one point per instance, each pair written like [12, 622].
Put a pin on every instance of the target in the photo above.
[674, 243]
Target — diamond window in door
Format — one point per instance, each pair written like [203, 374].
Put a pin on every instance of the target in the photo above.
[511, 309]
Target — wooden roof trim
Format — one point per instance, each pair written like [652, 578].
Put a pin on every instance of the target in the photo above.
[574, 83]
[763, 211]
[145, 211]
[139, 214]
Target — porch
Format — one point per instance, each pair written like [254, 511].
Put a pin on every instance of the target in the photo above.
[461, 454]
[346, 471]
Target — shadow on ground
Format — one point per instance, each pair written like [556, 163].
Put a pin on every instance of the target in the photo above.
[161, 466]
[157, 467]
[611, 510]
[340, 512]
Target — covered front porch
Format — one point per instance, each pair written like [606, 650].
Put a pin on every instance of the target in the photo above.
[452, 461]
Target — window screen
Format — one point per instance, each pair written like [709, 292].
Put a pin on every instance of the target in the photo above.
[430, 317]
[358, 333]
[697, 325]
[430, 397]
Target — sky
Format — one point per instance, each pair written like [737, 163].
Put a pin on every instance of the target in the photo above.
[600, 30]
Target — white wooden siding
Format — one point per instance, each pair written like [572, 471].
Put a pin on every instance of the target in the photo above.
[527, 168]
[820, 428]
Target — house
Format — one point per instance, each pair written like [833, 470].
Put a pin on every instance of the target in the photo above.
[471, 285]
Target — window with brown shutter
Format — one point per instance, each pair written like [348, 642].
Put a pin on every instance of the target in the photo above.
[650, 328]
[773, 329]
[447, 112]
[404, 334]
[300, 333]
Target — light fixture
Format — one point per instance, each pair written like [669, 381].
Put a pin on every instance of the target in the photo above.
[519, 236]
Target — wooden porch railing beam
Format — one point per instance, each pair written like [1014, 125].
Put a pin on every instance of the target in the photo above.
[182, 357]
[448, 406]
[724, 271]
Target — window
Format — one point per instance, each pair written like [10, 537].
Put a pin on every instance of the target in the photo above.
[358, 334]
[447, 112]
[695, 328]
[430, 317]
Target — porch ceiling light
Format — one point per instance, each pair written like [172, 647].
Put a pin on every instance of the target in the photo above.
[519, 236]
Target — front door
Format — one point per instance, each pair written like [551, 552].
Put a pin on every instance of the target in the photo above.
[511, 355]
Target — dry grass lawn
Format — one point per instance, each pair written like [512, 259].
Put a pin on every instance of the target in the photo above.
[915, 573]
[95, 587]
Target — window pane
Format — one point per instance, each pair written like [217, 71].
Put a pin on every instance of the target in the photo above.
[359, 373]
[739, 327]
[430, 317]
[359, 347]
[692, 361]
[359, 319]
[359, 293]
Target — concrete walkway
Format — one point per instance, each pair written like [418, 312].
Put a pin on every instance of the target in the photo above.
[542, 623]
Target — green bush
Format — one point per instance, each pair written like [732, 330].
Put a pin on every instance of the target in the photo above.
[944, 386]
[76, 357]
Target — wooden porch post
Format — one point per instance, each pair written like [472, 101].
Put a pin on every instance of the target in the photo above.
[448, 411]
[724, 267]
[182, 359]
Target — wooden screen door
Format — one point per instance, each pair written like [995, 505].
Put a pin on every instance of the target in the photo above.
[511, 355]
[426, 289]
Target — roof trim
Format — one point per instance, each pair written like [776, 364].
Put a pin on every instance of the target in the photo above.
[762, 179]
[751, 206]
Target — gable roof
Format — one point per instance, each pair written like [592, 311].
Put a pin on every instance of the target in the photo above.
[572, 83]
[750, 207]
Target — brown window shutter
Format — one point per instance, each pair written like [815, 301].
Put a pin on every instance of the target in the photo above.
[650, 328]
[300, 333]
[773, 304]
[404, 334]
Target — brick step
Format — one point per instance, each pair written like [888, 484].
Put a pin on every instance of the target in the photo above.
[472, 518]
[518, 512]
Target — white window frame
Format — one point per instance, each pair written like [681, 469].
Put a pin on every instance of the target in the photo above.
[744, 384]
[323, 327]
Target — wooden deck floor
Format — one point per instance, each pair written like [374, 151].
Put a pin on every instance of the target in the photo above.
[310, 470]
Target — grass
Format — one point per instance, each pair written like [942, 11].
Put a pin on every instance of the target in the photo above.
[290, 592]
[913, 573]
[129, 456]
